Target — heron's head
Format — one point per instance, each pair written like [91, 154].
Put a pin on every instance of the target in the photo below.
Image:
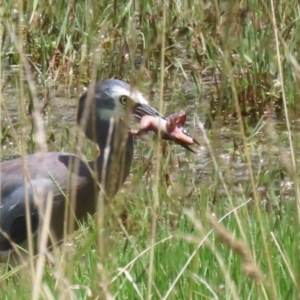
[110, 99]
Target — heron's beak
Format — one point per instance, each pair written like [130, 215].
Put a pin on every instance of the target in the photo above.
[146, 110]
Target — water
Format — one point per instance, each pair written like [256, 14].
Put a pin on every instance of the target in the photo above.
[267, 149]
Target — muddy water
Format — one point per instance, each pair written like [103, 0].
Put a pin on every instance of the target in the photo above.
[266, 148]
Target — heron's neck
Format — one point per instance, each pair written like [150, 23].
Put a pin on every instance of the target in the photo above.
[116, 154]
[104, 139]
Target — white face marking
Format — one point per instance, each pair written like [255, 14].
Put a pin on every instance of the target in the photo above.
[120, 110]
[133, 94]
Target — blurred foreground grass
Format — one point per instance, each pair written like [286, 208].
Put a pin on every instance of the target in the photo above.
[243, 56]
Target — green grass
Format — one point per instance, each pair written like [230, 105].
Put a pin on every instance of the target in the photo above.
[224, 64]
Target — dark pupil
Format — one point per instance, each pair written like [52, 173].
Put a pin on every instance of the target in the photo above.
[123, 100]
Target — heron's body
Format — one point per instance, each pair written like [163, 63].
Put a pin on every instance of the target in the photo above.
[61, 177]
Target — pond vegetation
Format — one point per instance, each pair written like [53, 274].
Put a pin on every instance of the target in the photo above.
[222, 223]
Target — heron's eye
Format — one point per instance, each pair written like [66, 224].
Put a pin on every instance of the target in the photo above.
[123, 100]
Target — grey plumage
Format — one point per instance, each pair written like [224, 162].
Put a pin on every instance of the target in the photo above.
[61, 174]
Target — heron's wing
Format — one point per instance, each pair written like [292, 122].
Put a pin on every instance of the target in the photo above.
[13, 220]
[52, 176]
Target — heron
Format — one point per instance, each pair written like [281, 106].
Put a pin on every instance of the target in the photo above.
[72, 184]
